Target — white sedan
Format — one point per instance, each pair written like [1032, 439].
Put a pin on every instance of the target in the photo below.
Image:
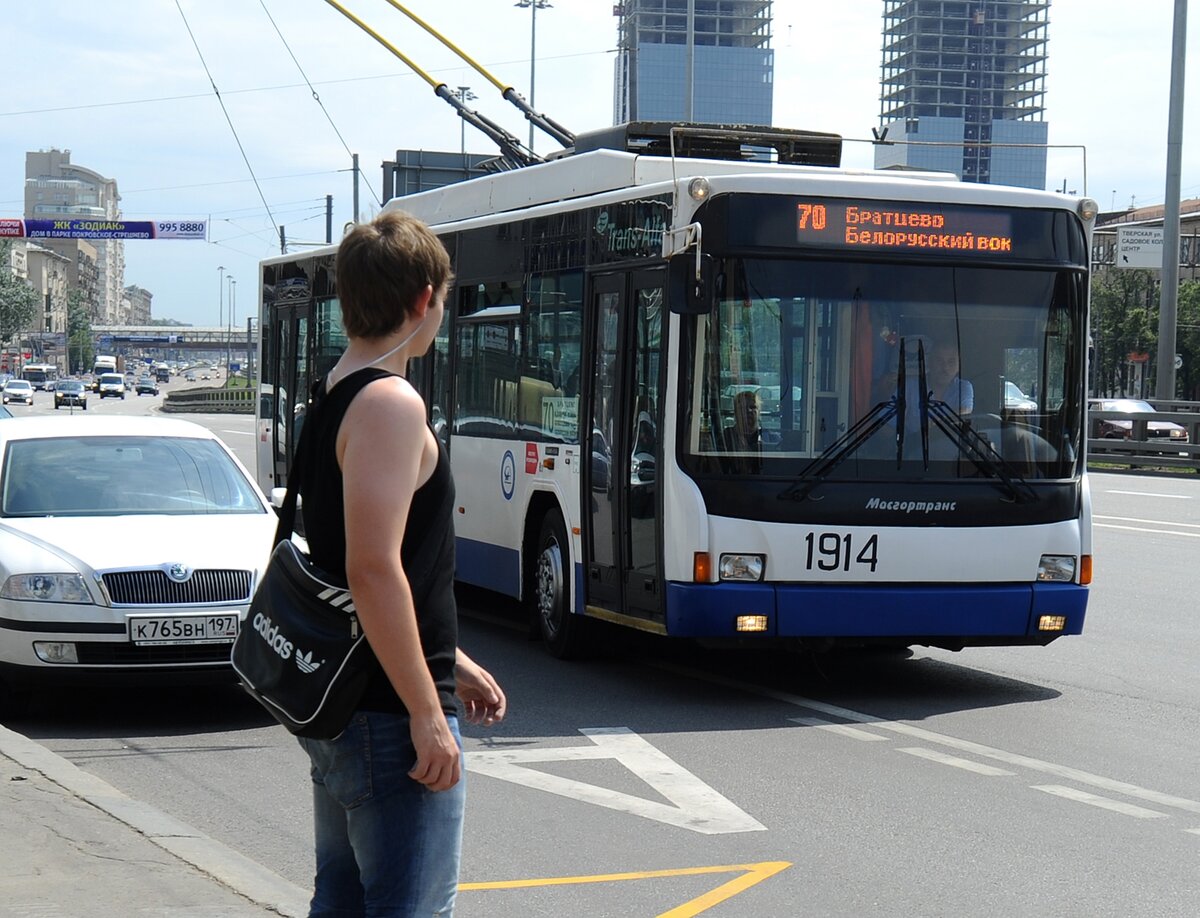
[127, 545]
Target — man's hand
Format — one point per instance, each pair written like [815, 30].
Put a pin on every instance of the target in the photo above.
[483, 699]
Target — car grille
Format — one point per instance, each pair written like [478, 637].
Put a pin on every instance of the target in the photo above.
[98, 653]
[155, 588]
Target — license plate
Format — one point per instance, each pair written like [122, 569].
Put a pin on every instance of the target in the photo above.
[214, 628]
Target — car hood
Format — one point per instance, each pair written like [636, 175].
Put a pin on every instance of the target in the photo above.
[47, 544]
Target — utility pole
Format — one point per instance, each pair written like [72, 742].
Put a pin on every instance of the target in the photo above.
[1168, 304]
[328, 219]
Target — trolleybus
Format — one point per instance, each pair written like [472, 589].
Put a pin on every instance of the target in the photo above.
[708, 384]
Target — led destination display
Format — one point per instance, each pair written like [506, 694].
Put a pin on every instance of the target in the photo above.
[891, 226]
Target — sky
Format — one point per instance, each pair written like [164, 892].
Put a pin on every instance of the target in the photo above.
[128, 87]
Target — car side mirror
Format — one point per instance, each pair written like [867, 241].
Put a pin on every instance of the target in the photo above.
[690, 283]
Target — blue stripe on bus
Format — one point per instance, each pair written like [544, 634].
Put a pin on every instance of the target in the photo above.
[492, 567]
[796, 610]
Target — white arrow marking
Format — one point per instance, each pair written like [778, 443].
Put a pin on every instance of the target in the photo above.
[696, 805]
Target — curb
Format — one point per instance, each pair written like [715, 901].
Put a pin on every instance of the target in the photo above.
[229, 868]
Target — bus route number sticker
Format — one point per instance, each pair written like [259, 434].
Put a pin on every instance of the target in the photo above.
[508, 474]
[837, 551]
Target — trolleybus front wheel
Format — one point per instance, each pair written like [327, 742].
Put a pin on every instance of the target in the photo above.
[550, 592]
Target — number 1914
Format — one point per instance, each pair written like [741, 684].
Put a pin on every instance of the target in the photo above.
[837, 551]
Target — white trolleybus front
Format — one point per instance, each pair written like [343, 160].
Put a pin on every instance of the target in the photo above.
[755, 400]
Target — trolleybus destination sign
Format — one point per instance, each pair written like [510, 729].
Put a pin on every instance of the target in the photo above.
[101, 228]
[891, 225]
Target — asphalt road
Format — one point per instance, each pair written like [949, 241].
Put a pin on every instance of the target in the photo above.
[656, 780]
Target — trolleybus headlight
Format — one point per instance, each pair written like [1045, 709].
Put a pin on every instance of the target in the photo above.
[742, 567]
[1057, 568]
[699, 188]
[1088, 209]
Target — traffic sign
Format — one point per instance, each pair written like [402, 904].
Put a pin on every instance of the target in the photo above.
[1139, 247]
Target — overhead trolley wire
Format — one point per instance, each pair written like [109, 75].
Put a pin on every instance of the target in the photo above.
[316, 96]
[516, 153]
[539, 120]
[225, 111]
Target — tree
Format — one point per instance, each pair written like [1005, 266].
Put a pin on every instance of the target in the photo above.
[18, 301]
[79, 333]
[1187, 341]
[1124, 321]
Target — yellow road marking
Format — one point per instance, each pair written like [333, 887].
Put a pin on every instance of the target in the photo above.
[751, 875]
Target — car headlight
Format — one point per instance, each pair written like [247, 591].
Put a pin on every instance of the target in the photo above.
[1178, 433]
[742, 566]
[1056, 568]
[46, 588]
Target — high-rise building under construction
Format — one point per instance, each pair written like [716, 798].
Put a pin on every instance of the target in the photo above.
[694, 60]
[964, 84]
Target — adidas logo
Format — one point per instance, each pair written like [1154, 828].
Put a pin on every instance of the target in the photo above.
[339, 599]
[305, 662]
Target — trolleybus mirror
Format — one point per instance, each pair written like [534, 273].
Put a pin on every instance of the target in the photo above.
[690, 283]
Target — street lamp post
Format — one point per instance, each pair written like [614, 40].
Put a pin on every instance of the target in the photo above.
[464, 94]
[228, 329]
[221, 291]
[533, 6]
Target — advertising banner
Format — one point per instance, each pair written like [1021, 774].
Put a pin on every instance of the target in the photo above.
[98, 228]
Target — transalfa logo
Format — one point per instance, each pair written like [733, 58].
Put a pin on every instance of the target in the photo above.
[912, 506]
[270, 633]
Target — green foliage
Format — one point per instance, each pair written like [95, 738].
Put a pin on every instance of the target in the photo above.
[18, 301]
[79, 333]
[1125, 307]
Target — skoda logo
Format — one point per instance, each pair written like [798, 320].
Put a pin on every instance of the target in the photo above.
[179, 572]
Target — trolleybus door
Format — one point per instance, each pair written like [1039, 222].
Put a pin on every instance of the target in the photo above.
[621, 501]
[289, 377]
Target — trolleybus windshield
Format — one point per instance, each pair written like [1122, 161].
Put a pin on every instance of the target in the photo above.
[796, 352]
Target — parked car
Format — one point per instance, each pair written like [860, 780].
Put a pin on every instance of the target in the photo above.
[17, 390]
[1120, 429]
[1015, 399]
[111, 384]
[70, 392]
[146, 386]
[84, 592]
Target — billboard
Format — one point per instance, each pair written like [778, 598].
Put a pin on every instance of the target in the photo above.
[98, 228]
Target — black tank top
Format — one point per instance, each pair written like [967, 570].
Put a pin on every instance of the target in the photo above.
[427, 552]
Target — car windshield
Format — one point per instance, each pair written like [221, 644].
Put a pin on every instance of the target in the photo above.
[69, 387]
[1127, 404]
[17, 384]
[122, 475]
[113, 379]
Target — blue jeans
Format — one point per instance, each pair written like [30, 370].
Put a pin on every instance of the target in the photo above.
[385, 845]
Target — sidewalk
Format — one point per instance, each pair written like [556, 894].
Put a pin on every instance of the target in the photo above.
[72, 846]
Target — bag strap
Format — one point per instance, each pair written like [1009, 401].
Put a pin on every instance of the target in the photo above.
[318, 399]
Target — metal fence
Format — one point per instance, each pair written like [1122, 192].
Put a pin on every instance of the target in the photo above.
[219, 401]
[1145, 447]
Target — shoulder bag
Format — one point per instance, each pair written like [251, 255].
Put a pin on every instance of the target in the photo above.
[300, 652]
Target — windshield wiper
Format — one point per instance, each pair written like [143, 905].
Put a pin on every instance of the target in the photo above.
[849, 443]
[978, 449]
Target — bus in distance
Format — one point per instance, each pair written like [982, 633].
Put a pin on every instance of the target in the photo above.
[40, 375]
[706, 395]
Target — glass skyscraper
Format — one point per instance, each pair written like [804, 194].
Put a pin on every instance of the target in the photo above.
[966, 77]
[706, 61]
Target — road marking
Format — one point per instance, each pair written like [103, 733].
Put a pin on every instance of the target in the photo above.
[1152, 494]
[1130, 519]
[1127, 809]
[696, 805]
[1193, 831]
[840, 729]
[244, 433]
[978, 767]
[1189, 535]
[752, 874]
[928, 736]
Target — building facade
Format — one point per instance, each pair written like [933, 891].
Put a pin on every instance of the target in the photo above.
[963, 89]
[707, 61]
[138, 306]
[57, 188]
